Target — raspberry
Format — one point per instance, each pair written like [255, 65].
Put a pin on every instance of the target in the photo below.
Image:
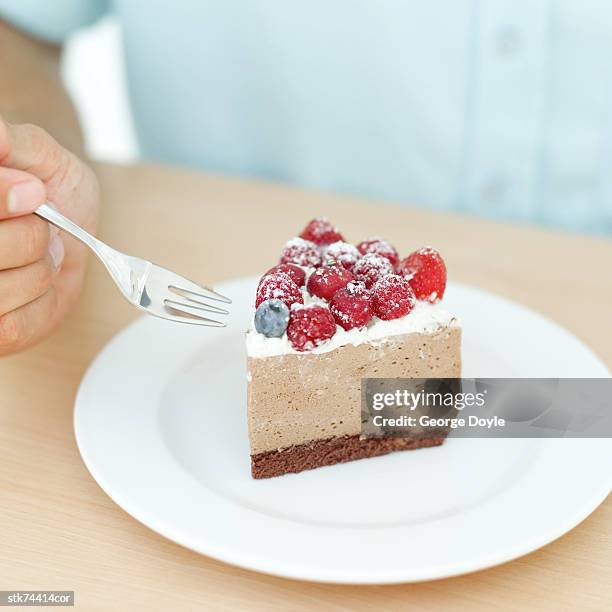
[326, 280]
[344, 253]
[302, 253]
[380, 247]
[425, 271]
[392, 297]
[297, 275]
[351, 305]
[309, 327]
[372, 267]
[321, 231]
[278, 286]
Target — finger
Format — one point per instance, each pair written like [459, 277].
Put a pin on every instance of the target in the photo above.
[69, 183]
[21, 286]
[20, 193]
[23, 241]
[25, 326]
[30, 148]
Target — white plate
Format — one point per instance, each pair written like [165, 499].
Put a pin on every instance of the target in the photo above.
[160, 423]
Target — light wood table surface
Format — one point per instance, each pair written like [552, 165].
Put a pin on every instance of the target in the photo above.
[58, 530]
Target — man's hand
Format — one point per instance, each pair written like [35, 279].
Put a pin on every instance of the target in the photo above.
[41, 270]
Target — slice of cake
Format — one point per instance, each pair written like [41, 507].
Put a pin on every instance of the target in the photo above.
[329, 315]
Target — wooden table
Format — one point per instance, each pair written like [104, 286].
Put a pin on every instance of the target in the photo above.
[58, 530]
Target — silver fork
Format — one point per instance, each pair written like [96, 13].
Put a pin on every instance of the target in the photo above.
[149, 287]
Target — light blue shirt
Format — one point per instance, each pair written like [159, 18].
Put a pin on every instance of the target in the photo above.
[498, 107]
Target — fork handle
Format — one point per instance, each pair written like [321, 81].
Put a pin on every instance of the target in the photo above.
[114, 261]
[50, 214]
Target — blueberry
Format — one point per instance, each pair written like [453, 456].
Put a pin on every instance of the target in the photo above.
[271, 318]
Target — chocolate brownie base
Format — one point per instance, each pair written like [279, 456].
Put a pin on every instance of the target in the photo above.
[333, 450]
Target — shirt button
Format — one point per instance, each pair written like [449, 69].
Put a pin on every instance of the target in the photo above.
[507, 42]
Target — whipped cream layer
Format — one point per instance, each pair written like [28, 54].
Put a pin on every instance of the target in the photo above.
[423, 318]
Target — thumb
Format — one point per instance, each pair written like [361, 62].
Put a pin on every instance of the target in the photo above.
[20, 193]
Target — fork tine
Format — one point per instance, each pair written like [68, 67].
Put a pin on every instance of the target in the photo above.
[203, 305]
[193, 311]
[191, 296]
[198, 291]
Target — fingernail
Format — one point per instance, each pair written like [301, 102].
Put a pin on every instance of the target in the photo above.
[53, 231]
[56, 250]
[23, 197]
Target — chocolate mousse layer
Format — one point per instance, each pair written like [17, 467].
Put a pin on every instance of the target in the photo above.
[318, 453]
[296, 401]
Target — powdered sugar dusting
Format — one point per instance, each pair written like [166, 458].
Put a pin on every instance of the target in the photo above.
[345, 253]
[428, 250]
[278, 286]
[357, 288]
[372, 267]
[380, 246]
[392, 297]
[309, 327]
[301, 252]
[321, 231]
